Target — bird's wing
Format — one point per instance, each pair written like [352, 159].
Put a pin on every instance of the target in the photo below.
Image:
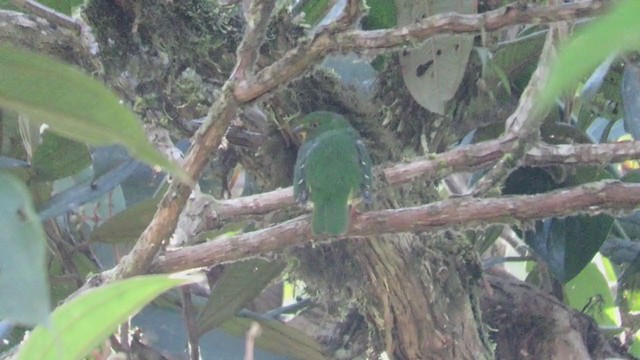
[364, 161]
[300, 188]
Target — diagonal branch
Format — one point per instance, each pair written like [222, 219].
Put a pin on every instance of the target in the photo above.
[57, 18]
[524, 123]
[206, 140]
[600, 197]
[296, 61]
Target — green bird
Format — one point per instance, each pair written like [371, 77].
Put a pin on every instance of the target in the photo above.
[333, 167]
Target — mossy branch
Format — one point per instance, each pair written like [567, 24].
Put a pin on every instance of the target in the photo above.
[298, 60]
[479, 156]
[206, 140]
[467, 212]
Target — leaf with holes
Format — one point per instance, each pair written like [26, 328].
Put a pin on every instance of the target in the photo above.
[433, 72]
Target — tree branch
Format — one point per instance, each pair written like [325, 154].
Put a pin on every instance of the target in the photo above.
[48, 13]
[593, 198]
[206, 212]
[206, 140]
[524, 123]
[297, 60]
[485, 154]
[37, 34]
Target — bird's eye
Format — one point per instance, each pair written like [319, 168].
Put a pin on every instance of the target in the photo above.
[314, 125]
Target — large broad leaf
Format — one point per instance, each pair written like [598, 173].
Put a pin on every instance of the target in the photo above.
[519, 58]
[24, 291]
[590, 291]
[434, 71]
[568, 245]
[614, 32]
[64, 284]
[75, 105]
[81, 324]
[629, 284]
[127, 225]
[59, 157]
[240, 283]
[595, 81]
[635, 347]
[72, 198]
[278, 338]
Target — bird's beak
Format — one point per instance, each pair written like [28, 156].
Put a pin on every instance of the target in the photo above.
[301, 132]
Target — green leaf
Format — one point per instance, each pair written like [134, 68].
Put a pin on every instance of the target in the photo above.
[519, 58]
[629, 284]
[568, 245]
[590, 291]
[58, 157]
[483, 240]
[240, 283]
[81, 324]
[382, 15]
[315, 10]
[635, 348]
[82, 108]
[24, 291]
[278, 338]
[64, 285]
[127, 225]
[617, 31]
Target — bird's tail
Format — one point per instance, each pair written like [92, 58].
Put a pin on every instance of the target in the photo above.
[331, 216]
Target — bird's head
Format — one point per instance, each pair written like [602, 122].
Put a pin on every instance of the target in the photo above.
[316, 123]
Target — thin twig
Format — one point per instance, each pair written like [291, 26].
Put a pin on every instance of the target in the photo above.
[257, 15]
[594, 198]
[254, 331]
[295, 62]
[211, 212]
[188, 312]
[485, 154]
[206, 140]
[524, 123]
